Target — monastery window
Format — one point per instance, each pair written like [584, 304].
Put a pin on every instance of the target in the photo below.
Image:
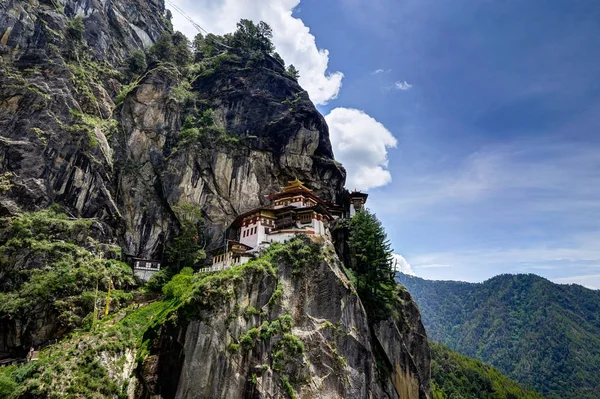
[267, 230]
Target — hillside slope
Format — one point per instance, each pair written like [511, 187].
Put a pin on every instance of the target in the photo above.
[541, 334]
[454, 375]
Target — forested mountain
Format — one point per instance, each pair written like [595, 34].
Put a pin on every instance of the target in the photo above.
[541, 334]
[457, 376]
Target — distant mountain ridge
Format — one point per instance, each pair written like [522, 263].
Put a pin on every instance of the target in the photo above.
[541, 334]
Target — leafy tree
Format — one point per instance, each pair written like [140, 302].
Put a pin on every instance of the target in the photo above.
[253, 37]
[137, 62]
[371, 260]
[187, 249]
[162, 49]
[182, 55]
[293, 72]
[197, 45]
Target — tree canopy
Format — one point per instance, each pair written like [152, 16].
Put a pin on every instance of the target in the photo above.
[372, 263]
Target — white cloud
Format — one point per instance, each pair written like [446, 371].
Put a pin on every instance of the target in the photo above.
[401, 265]
[591, 281]
[434, 266]
[402, 85]
[573, 260]
[292, 38]
[360, 143]
[378, 71]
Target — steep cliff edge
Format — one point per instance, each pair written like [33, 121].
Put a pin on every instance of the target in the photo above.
[123, 157]
[288, 324]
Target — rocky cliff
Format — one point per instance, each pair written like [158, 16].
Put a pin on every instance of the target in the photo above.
[129, 155]
[292, 327]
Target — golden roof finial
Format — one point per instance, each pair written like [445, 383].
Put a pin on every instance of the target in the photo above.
[294, 185]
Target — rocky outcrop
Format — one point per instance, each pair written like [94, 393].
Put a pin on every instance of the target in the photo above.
[268, 132]
[55, 102]
[233, 341]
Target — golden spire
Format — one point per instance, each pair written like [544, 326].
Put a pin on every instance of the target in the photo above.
[294, 185]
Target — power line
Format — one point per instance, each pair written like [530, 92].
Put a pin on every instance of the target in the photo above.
[194, 24]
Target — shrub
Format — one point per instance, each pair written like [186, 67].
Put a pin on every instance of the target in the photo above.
[137, 62]
[180, 284]
[76, 29]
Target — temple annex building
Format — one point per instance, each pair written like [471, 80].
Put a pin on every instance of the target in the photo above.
[294, 210]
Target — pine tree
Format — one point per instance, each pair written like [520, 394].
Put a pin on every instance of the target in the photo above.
[293, 72]
[372, 262]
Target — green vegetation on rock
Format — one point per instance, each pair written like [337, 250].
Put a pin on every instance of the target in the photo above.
[52, 267]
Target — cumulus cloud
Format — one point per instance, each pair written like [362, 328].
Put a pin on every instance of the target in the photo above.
[292, 38]
[360, 143]
[404, 86]
[401, 265]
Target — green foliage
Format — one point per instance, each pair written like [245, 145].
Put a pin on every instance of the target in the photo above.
[201, 132]
[206, 47]
[76, 29]
[182, 93]
[125, 90]
[299, 253]
[251, 311]
[182, 54]
[186, 249]
[173, 48]
[289, 389]
[75, 42]
[292, 72]
[371, 262]
[180, 284]
[136, 63]
[5, 181]
[253, 37]
[276, 295]
[162, 49]
[457, 376]
[233, 348]
[8, 386]
[64, 282]
[292, 344]
[159, 279]
[541, 334]
[74, 368]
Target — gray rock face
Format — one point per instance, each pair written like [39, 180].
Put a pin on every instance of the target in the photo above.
[64, 140]
[112, 28]
[339, 358]
[55, 111]
[275, 134]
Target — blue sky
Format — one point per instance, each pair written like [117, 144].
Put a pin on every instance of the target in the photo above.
[473, 124]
